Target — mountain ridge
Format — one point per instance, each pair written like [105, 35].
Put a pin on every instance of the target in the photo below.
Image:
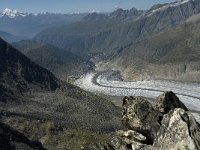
[62, 63]
[104, 38]
[18, 73]
[109, 40]
[170, 55]
[10, 37]
[29, 24]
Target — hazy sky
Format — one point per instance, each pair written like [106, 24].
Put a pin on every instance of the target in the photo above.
[67, 6]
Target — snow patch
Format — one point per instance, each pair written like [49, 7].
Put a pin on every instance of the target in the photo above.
[12, 13]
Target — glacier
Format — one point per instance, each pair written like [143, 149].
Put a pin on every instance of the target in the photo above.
[188, 93]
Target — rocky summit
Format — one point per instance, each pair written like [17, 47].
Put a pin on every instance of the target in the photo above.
[165, 125]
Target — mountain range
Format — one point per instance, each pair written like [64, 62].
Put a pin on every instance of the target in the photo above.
[29, 24]
[9, 13]
[62, 63]
[40, 108]
[107, 38]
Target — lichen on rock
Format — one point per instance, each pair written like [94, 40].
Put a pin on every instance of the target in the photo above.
[139, 115]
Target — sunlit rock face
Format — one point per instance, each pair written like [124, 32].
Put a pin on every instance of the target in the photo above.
[167, 125]
[179, 130]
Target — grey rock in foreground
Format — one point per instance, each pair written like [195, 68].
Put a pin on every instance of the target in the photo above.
[166, 125]
[168, 101]
[139, 115]
[179, 130]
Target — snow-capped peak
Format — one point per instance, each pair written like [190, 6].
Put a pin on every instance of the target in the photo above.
[8, 11]
[12, 13]
[94, 11]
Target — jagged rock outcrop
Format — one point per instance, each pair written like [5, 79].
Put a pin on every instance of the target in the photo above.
[168, 101]
[179, 130]
[138, 114]
[166, 125]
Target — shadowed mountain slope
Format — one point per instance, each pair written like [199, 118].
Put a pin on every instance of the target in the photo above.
[11, 139]
[58, 61]
[18, 73]
[11, 38]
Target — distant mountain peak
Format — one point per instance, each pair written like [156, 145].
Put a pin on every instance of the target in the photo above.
[94, 17]
[11, 13]
[121, 13]
[94, 11]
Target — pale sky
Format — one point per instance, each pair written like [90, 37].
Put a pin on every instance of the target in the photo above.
[71, 6]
